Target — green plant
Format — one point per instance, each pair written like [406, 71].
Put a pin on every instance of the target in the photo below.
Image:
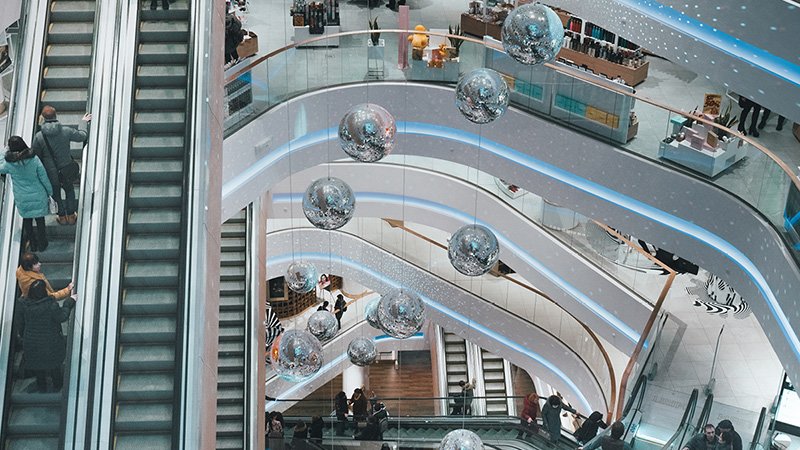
[375, 35]
[455, 30]
[725, 118]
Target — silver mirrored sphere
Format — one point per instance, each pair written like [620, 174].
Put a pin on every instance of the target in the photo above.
[362, 351]
[461, 440]
[532, 34]
[296, 355]
[329, 203]
[482, 95]
[371, 313]
[401, 313]
[301, 276]
[323, 325]
[473, 250]
[367, 132]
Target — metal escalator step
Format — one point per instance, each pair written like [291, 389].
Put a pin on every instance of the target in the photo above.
[233, 287]
[149, 301]
[58, 251]
[233, 347]
[178, 10]
[29, 419]
[155, 196]
[151, 273]
[68, 55]
[164, 31]
[229, 442]
[160, 98]
[154, 220]
[231, 318]
[152, 246]
[70, 32]
[231, 301]
[145, 386]
[146, 357]
[455, 358]
[59, 274]
[230, 394]
[239, 217]
[143, 329]
[230, 411]
[494, 376]
[170, 53]
[159, 122]
[161, 76]
[65, 77]
[495, 386]
[230, 332]
[143, 416]
[125, 441]
[230, 427]
[36, 441]
[158, 147]
[231, 379]
[234, 229]
[454, 348]
[232, 258]
[231, 273]
[65, 99]
[156, 170]
[231, 241]
[449, 337]
[493, 366]
[72, 11]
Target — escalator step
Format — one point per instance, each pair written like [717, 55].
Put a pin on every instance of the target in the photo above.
[231, 379]
[68, 55]
[154, 220]
[156, 170]
[159, 122]
[228, 273]
[70, 32]
[158, 147]
[236, 229]
[72, 11]
[145, 386]
[231, 318]
[143, 417]
[232, 348]
[146, 357]
[36, 441]
[160, 98]
[231, 301]
[164, 31]
[151, 273]
[161, 76]
[30, 419]
[155, 196]
[163, 53]
[125, 441]
[65, 99]
[145, 329]
[233, 287]
[65, 77]
[231, 256]
[152, 246]
[151, 301]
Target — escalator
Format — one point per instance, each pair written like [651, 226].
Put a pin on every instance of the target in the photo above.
[496, 384]
[147, 362]
[33, 419]
[456, 365]
[232, 336]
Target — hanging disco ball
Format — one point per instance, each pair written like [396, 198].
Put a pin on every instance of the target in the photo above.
[482, 95]
[473, 250]
[329, 203]
[367, 132]
[401, 313]
[532, 34]
[296, 355]
[461, 440]
[371, 313]
[362, 351]
[301, 276]
[323, 325]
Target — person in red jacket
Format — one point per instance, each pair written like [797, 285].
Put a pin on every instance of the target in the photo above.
[528, 416]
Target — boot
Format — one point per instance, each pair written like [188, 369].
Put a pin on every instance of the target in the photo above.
[165, 5]
[153, 5]
[62, 220]
[72, 219]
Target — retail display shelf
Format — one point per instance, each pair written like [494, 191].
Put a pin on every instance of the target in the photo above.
[478, 26]
[709, 162]
[631, 75]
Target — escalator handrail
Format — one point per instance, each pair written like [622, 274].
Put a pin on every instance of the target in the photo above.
[704, 414]
[759, 429]
[677, 438]
[637, 396]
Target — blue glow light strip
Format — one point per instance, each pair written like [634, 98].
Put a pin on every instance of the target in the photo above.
[505, 243]
[467, 322]
[594, 189]
[749, 53]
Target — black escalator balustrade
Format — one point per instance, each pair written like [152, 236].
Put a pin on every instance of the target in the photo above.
[34, 420]
[147, 368]
[232, 313]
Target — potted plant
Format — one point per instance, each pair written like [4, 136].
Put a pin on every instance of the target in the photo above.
[725, 120]
[455, 43]
[375, 35]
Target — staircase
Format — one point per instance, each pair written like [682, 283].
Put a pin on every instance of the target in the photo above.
[455, 357]
[232, 335]
[495, 384]
[34, 420]
[147, 366]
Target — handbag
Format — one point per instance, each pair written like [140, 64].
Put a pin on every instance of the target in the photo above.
[52, 205]
[68, 173]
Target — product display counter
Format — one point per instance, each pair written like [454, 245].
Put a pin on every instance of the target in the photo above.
[480, 26]
[696, 153]
[631, 75]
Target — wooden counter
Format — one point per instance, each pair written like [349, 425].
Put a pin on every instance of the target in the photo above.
[475, 26]
[632, 76]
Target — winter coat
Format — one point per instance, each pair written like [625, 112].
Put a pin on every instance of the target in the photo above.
[699, 442]
[360, 405]
[608, 443]
[31, 185]
[551, 419]
[530, 410]
[588, 430]
[59, 137]
[43, 342]
[340, 403]
[25, 279]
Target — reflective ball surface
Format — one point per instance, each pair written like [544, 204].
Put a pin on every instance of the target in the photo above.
[323, 325]
[367, 132]
[532, 34]
[401, 313]
[461, 440]
[371, 313]
[301, 276]
[473, 250]
[296, 355]
[362, 351]
[329, 203]
[482, 95]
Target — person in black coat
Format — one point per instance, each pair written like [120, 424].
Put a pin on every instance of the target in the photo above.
[43, 343]
[316, 429]
[339, 308]
[588, 430]
[735, 440]
[342, 408]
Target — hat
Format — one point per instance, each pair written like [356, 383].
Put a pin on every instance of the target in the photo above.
[16, 144]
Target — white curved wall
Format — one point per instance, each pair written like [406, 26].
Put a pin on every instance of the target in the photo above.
[448, 305]
[667, 208]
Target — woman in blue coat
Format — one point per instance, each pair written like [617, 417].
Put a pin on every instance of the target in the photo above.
[31, 189]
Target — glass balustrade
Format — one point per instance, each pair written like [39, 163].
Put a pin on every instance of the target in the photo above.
[586, 102]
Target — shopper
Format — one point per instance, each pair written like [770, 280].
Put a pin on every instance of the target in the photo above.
[340, 405]
[323, 306]
[747, 106]
[707, 440]
[588, 430]
[275, 432]
[468, 392]
[30, 270]
[339, 308]
[31, 189]
[300, 437]
[154, 5]
[42, 340]
[371, 432]
[765, 117]
[52, 145]
[527, 419]
[316, 429]
[360, 406]
[234, 35]
[612, 442]
[735, 440]
[551, 417]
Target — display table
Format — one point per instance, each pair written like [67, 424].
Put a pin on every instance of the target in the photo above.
[705, 160]
[302, 34]
[476, 26]
[631, 75]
